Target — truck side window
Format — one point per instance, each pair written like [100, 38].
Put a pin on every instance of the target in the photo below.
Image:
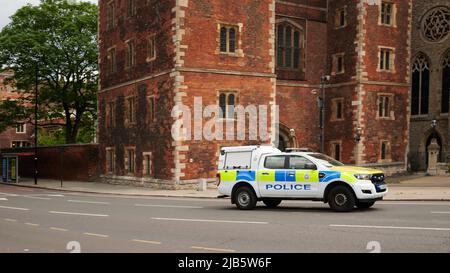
[275, 162]
[300, 163]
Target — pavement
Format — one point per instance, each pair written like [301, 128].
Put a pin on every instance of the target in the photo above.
[41, 220]
[415, 187]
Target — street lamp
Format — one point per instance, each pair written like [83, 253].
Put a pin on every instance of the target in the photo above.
[36, 124]
[321, 103]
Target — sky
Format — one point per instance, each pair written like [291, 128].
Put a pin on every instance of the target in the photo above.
[9, 7]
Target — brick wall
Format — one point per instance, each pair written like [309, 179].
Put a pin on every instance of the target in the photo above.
[80, 162]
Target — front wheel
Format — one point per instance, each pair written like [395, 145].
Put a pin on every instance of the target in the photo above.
[272, 203]
[341, 199]
[364, 205]
[245, 198]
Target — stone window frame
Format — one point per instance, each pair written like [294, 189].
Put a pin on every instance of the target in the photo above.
[445, 64]
[130, 117]
[227, 93]
[387, 153]
[335, 64]
[238, 39]
[130, 8]
[393, 15]
[110, 15]
[151, 109]
[333, 145]
[392, 57]
[302, 45]
[111, 60]
[127, 160]
[334, 109]
[110, 151]
[130, 53]
[423, 27]
[338, 18]
[111, 114]
[147, 157]
[21, 143]
[391, 103]
[426, 65]
[23, 128]
[151, 48]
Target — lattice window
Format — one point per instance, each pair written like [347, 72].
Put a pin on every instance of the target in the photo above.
[436, 24]
[420, 85]
[289, 46]
[445, 101]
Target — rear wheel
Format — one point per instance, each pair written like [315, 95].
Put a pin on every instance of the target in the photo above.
[341, 199]
[364, 205]
[245, 198]
[272, 203]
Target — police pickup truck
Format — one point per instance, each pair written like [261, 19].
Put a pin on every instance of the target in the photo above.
[249, 174]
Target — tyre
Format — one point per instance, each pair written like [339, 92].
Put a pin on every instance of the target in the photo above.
[364, 205]
[245, 198]
[272, 203]
[341, 199]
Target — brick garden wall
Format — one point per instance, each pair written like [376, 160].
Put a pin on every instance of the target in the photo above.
[80, 162]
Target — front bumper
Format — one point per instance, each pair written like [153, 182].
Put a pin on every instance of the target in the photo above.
[370, 191]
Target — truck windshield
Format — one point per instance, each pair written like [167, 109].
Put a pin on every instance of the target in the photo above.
[326, 160]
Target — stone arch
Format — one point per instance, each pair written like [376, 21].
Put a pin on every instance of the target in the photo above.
[426, 139]
[285, 138]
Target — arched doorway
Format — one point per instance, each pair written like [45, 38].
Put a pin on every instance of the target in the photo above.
[433, 135]
[285, 138]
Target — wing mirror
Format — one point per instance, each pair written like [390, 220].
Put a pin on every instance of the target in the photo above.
[310, 166]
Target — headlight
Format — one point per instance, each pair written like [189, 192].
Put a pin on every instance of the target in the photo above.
[363, 176]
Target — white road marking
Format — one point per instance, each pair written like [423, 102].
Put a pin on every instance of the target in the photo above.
[440, 212]
[14, 208]
[88, 202]
[58, 229]
[392, 227]
[168, 206]
[96, 235]
[211, 221]
[8, 194]
[413, 203]
[78, 213]
[32, 224]
[36, 197]
[146, 242]
[10, 220]
[3, 199]
[55, 195]
[213, 249]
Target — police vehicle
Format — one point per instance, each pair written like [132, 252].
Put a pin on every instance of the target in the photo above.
[249, 174]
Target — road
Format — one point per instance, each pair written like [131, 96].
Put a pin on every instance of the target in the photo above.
[35, 220]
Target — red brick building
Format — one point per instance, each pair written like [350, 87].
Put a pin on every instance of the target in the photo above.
[22, 134]
[155, 55]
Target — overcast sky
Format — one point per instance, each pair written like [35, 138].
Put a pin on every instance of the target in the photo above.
[9, 7]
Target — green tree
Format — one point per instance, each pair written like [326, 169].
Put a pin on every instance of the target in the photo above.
[55, 43]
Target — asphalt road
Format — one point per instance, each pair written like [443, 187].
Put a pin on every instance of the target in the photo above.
[34, 220]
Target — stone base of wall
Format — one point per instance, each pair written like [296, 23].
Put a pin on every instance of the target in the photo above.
[442, 169]
[152, 183]
[388, 169]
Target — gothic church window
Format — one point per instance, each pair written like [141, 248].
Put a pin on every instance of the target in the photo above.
[436, 24]
[445, 101]
[420, 85]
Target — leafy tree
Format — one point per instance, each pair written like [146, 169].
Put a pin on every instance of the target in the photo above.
[55, 44]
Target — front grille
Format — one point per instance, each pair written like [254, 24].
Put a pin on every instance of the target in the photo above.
[378, 180]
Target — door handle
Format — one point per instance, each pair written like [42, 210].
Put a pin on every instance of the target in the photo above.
[265, 173]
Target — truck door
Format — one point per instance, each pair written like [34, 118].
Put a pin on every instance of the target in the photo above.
[272, 176]
[303, 177]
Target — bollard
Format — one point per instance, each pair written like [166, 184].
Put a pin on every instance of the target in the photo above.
[202, 185]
